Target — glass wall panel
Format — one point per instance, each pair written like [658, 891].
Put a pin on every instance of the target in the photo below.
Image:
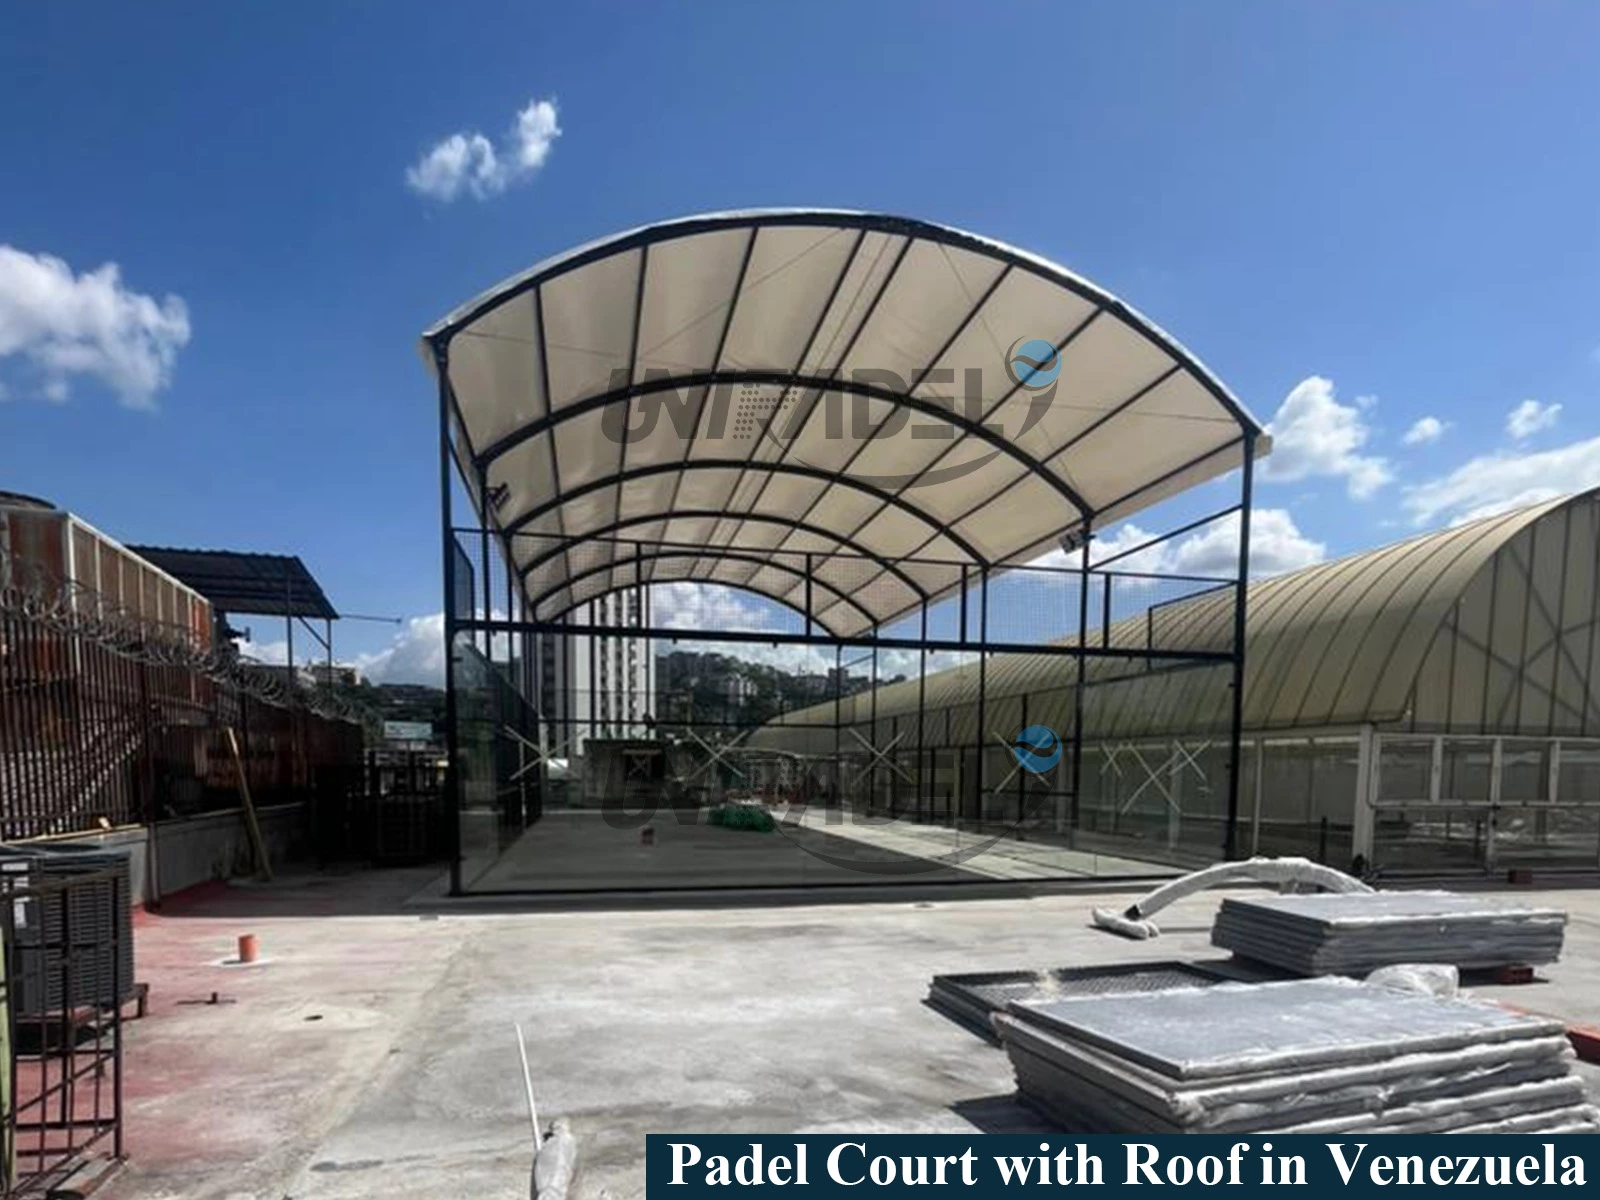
[1307, 798]
[1430, 839]
[1556, 837]
[1524, 771]
[1405, 766]
[1467, 767]
[1580, 773]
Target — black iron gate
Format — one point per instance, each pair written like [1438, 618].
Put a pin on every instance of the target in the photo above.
[67, 973]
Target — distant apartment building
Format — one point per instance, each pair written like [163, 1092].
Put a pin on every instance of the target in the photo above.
[594, 685]
[324, 674]
[738, 690]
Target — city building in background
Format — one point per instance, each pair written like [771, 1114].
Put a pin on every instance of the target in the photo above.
[597, 686]
[335, 674]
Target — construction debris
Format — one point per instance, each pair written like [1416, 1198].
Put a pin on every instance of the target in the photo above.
[1307, 1056]
[974, 999]
[1356, 934]
[555, 1163]
[1290, 873]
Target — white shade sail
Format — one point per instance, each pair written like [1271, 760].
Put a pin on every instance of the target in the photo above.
[866, 402]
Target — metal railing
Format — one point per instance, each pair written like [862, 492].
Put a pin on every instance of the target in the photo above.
[67, 975]
[108, 720]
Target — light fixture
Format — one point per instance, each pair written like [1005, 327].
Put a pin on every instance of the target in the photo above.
[1074, 538]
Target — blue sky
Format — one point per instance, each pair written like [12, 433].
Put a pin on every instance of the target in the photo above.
[1359, 215]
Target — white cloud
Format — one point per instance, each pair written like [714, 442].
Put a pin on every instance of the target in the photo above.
[1529, 417]
[1125, 538]
[69, 325]
[708, 607]
[1106, 545]
[690, 605]
[1276, 546]
[1495, 483]
[470, 163]
[272, 653]
[1314, 435]
[415, 655]
[1425, 430]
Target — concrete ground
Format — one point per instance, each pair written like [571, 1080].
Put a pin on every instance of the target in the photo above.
[575, 849]
[372, 1052]
[1005, 856]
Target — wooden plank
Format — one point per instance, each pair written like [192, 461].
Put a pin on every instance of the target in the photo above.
[257, 842]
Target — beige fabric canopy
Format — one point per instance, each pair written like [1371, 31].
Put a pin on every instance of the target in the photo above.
[762, 398]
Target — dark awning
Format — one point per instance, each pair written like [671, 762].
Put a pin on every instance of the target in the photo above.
[262, 585]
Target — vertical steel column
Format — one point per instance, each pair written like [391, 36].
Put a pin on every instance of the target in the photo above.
[922, 710]
[808, 594]
[1022, 784]
[963, 603]
[483, 561]
[1079, 683]
[872, 770]
[452, 780]
[983, 688]
[519, 679]
[838, 727]
[1105, 609]
[1230, 840]
[296, 743]
[588, 638]
[637, 696]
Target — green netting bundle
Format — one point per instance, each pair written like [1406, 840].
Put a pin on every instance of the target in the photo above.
[743, 816]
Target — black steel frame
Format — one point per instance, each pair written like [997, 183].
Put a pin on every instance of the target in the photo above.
[523, 617]
[968, 605]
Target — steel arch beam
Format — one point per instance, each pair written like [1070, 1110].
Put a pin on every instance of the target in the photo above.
[785, 379]
[883, 495]
[687, 553]
[711, 514]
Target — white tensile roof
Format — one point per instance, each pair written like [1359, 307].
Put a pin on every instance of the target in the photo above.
[820, 393]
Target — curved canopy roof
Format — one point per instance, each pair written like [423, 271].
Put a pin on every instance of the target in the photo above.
[1333, 645]
[750, 397]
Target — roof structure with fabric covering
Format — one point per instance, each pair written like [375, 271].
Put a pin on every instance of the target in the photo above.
[1482, 628]
[779, 399]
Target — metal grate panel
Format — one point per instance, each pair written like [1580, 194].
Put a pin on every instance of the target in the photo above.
[972, 998]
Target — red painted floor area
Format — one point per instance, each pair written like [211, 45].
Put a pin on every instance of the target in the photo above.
[232, 1068]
